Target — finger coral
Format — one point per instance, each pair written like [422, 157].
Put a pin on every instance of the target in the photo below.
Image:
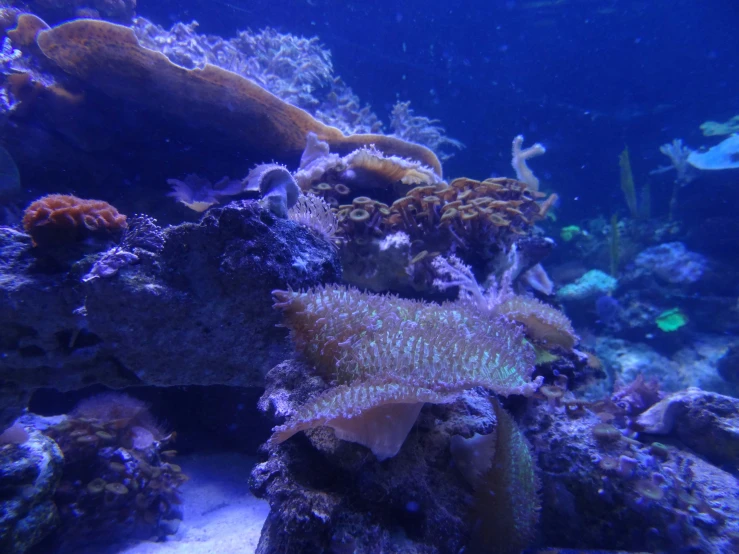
[386, 356]
[521, 156]
[62, 218]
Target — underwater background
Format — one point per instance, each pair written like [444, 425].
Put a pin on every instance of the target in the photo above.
[317, 276]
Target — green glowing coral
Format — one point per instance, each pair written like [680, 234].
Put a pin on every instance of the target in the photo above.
[671, 320]
[591, 285]
[570, 232]
[386, 356]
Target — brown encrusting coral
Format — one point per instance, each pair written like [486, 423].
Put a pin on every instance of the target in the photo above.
[117, 477]
[109, 57]
[62, 218]
[477, 220]
[465, 211]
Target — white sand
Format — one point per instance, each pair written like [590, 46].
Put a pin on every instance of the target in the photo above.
[220, 514]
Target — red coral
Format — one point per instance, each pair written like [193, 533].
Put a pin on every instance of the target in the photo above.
[62, 218]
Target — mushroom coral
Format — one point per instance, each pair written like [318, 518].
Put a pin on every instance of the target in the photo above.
[109, 57]
[385, 356]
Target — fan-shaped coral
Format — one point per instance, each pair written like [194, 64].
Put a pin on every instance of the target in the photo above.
[62, 218]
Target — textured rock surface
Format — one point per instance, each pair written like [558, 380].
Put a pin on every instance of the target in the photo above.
[199, 313]
[623, 494]
[706, 422]
[29, 473]
[334, 496]
[617, 493]
[694, 364]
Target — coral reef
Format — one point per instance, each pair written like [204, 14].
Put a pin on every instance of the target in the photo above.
[417, 423]
[118, 477]
[385, 357]
[360, 170]
[705, 422]
[544, 325]
[313, 212]
[59, 218]
[601, 489]
[111, 58]
[378, 196]
[177, 317]
[29, 474]
[142, 237]
[297, 70]
[591, 285]
[60, 121]
[422, 130]
[691, 365]
[476, 220]
[327, 494]
[672, 262]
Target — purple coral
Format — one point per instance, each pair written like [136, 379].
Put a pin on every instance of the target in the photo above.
[142, 233]
[296, 69]
[422, 130]
[199, 194]
[673, 263]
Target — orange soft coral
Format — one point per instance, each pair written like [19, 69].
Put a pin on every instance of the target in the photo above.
[62, 218]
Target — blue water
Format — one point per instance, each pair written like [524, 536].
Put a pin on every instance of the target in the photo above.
[583, 77]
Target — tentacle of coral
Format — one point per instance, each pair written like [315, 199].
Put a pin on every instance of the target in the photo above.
[507, 499]
[376, 416]
[382, 351]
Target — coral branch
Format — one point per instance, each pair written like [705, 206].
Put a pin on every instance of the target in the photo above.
[520, 156]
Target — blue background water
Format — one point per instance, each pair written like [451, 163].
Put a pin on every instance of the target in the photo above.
[584, 77]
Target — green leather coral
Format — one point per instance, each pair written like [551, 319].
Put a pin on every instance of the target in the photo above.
[387, 356]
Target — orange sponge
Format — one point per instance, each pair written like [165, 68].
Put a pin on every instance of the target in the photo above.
[62, 218]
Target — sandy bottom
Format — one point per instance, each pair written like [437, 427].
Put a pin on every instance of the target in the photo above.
[220, 514]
